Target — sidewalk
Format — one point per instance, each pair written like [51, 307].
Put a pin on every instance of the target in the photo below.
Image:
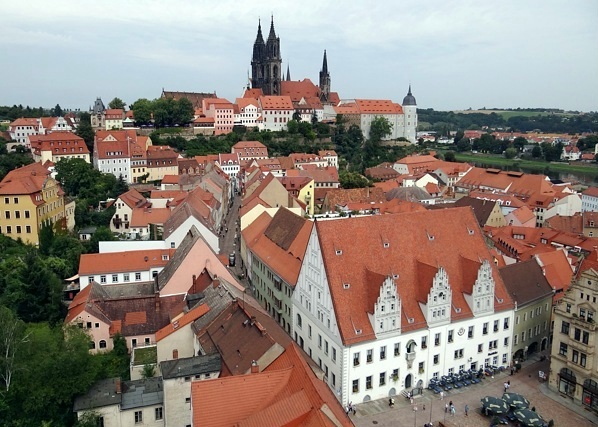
[525, 382]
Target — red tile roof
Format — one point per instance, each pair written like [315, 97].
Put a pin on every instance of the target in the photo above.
[591, 192]
[179, 322]
[28, 179]
[378, 106]
[276, 103]
[448, 238]
[117, 262]
[299, 89]
[286, 393]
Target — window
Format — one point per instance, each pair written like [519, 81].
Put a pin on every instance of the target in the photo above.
[103, 279]
[458, 354]
[496, 326]
[7, 214]
[100, 421]
[300, 322]
[382, 380]
[159, 414]
[568, 308]
[515, 339]
[309, 331]
[137, 276]
[17, 214]
[577, 334]
[565, 327]
[397, 348]
[355, 386]
[586, 337]
[582, 359]
[187, 400]
[480, 348]
[506, 341]
[319, 341]
[134, 342]
[470, 332]
[138, 417]
[356, 359]
[102, 344]
[368, 382]
[383, 353]
[575, 356]
[563, 349]
[450, 336]
[522, 336]
[492, 345]
[27, 215]
[582, 313]
[114, 278]
[485, 329]
[18, 229]
[437, 339]
[28, 229]
[333, 354]
[370, 356]
[436, 359]
[424, 342]
[96, 325]
[126, 277]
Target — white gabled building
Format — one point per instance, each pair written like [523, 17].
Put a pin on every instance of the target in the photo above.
[384, 303]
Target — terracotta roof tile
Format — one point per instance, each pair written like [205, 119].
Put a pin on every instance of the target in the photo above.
[178, 323]
[456, 229]
[135, 318]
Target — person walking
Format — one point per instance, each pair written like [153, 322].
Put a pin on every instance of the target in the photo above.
[442, 395]
[446, 407]
[506, 387]
[466, 410]
[453, 411]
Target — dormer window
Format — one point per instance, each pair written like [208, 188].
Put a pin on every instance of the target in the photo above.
[386, 245]
[339, 252]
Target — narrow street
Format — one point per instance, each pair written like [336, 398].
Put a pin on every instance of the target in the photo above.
[230, 239]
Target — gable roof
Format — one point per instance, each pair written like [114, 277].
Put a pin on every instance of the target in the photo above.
[187, 318]
[286, 393]
[525, 282]
[482, 209]
[448, 238]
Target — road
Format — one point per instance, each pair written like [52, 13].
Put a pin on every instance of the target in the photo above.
[231, 238]
[548, 404]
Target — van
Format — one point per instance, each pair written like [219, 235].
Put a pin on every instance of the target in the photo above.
[231, 259]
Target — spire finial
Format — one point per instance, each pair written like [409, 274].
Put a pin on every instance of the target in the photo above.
[325, 63]
[288, 72]
[409, 93]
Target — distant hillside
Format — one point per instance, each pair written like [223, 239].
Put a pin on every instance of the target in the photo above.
[519, 120]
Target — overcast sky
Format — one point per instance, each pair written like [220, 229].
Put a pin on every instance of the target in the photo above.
[456, 54]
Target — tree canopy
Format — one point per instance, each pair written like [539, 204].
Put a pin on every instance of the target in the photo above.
[117, 103]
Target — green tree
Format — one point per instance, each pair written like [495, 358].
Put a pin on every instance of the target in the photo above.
[511, 152]
[293, 126]
[102, 234]
[449, 156]
[148, 371]
[85, 131]
[380, 128]
[12, 339]
[117, 103]
[183, 112]
[57, 111]
[297, 116]
[536, 152]
[353, 180]
[519, 143]
[142, 111]
[459, 136]
[464, 144]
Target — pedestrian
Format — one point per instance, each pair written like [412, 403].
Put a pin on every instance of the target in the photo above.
[466, 410]
[354, 410]
[424, 407]
[506, 387]
[446, 406]
[452, 410]
[411, 400]
[451, 404]
[442, 395]
[509, 383]
[512, 370]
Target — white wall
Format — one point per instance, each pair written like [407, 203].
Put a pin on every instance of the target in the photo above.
[137, 245]
[177, 236]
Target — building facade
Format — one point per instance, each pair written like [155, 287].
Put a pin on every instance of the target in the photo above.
[393, 309]
[574, 363]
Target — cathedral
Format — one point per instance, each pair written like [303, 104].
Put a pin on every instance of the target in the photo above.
[266, 70]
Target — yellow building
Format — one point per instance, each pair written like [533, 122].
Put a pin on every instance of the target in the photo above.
[28, 197]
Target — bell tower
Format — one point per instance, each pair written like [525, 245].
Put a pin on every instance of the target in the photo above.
[324, 81]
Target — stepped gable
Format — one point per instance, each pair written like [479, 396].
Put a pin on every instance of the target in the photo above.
[447, 238]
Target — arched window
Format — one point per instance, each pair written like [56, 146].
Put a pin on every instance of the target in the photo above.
[299, 321]
[92, 345]
[102, 344]
[567, 382]
[590, 394]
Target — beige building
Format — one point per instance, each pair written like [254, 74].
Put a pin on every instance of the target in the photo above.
[574, 363]
[29, 196]
[532, 295]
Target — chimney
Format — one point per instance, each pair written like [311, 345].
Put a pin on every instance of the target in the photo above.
[193, 280]
[255, 368]
[215, 282]
[175, 354]
[118, 386]
[157, 301]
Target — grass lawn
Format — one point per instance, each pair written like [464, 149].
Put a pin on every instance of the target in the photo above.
[146, 355]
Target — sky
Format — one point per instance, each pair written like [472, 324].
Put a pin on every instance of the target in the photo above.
[455, 54]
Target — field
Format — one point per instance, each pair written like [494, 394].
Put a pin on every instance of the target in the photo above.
[506, 114]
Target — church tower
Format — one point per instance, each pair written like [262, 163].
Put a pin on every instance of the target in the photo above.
[324, 81]
[410, 117]
[266, 62]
